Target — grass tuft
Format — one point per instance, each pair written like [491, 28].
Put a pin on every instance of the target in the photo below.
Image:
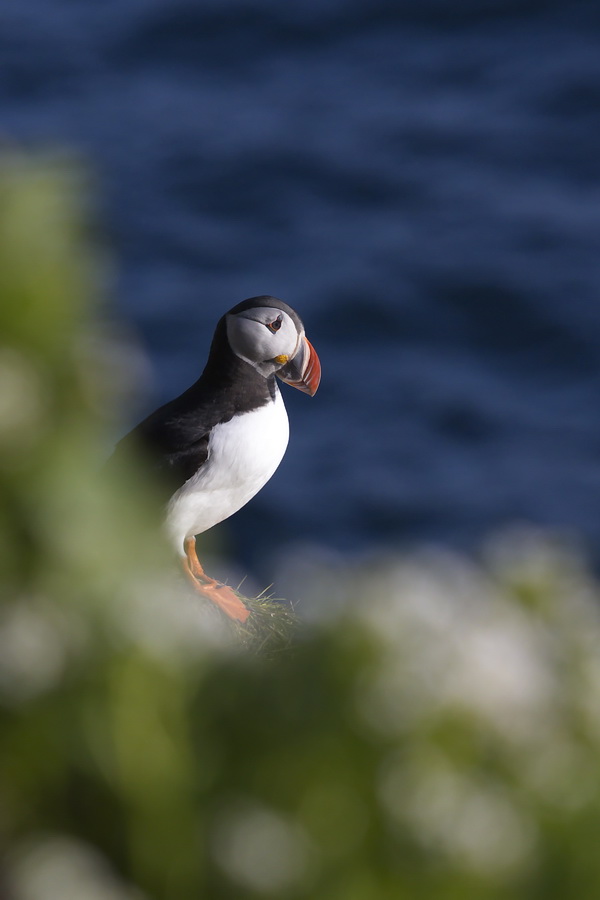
[270, 628]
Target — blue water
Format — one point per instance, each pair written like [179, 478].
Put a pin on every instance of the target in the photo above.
[421, 181]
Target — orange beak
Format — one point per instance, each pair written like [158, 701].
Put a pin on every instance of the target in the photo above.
[303, 371]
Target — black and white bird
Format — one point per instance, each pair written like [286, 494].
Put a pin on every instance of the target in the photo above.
[219, 442]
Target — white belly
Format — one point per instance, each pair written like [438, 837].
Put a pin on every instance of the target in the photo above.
[242, 455]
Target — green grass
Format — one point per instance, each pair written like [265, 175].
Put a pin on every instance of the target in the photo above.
[270, 628]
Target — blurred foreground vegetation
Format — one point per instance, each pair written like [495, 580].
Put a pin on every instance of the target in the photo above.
[433, 732]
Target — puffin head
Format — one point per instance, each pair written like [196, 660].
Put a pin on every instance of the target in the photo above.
[269, 334]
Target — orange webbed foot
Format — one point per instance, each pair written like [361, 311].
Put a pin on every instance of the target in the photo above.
[220, 594]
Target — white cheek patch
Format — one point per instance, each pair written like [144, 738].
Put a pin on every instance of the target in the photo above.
[247, 338]
[251, 339]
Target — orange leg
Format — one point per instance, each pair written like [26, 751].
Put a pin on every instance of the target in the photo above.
[220, 594]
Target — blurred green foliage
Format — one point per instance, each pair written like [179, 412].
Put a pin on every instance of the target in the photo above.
[433, 732]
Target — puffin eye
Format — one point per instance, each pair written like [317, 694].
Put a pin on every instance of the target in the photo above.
[274, 326]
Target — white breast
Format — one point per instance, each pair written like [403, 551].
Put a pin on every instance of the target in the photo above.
[242, 455]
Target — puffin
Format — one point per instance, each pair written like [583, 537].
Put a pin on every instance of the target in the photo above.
[218, 443]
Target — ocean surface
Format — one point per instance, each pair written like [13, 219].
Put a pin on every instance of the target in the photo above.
[421, 181]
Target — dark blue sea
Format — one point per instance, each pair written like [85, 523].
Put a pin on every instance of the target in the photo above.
[421, 181]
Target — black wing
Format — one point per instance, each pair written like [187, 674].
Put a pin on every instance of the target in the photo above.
[172, 442]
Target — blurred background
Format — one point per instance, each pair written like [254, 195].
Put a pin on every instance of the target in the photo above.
[419, 180]
[422, 185]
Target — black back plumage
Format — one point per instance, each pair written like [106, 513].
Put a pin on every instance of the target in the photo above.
[174, 439]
